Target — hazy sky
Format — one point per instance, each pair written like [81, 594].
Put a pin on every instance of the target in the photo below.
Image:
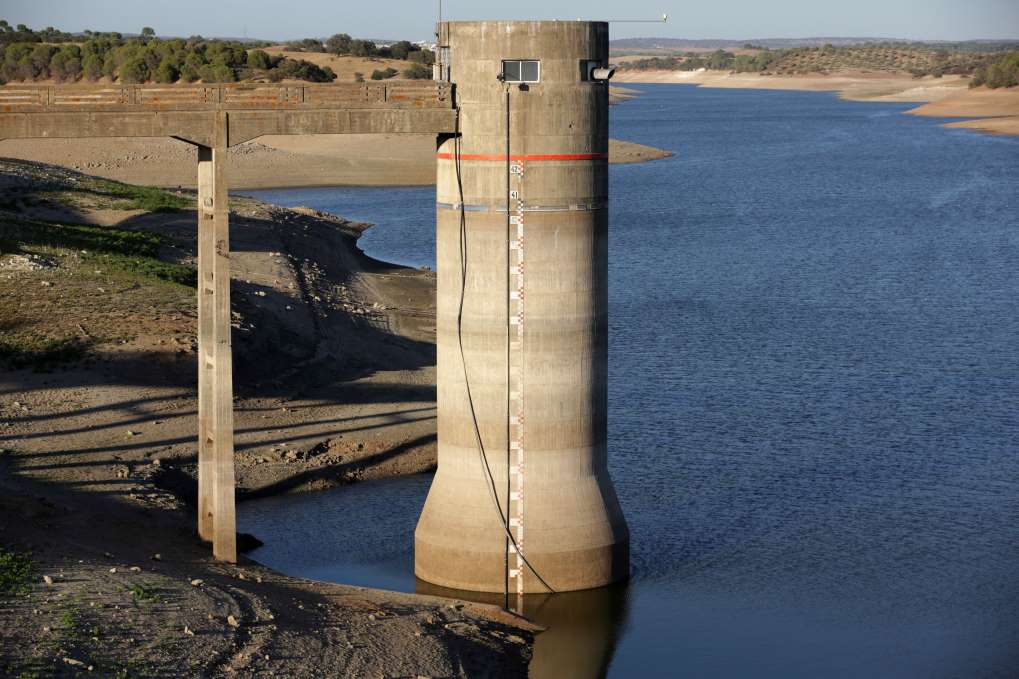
[415, 19]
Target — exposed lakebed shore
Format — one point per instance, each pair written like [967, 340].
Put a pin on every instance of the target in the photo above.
[269, 162]
[995, 111]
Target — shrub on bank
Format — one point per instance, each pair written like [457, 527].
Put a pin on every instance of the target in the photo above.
[16, 568]
[417, 72]
[1002, 73]
[344, 45]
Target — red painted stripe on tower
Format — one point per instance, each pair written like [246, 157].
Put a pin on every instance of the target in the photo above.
[532, 158]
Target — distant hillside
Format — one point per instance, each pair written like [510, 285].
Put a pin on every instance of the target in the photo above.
[992, 68]
[681, 44]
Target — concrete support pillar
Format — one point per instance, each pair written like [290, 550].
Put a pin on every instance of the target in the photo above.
[216, 515]
[522, 260]
[206, 313]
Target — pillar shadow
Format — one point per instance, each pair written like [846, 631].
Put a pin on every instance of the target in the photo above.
[64, 525]
[582, 628]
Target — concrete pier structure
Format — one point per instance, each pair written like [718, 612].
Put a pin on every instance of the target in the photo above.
[214, 118]
[522, 501]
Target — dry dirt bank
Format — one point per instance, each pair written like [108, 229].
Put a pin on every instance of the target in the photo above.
[269, 162]
[996, 111]
[947, 97]
[852, 85]
[335, 382]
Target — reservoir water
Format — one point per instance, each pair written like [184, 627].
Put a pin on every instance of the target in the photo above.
[814, 399]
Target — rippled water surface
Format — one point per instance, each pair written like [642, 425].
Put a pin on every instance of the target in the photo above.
[814, 398]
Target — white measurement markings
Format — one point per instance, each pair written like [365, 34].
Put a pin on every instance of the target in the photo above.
[515, 506]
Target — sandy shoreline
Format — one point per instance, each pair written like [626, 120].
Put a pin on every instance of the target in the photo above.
[268, 162]
[996, 111]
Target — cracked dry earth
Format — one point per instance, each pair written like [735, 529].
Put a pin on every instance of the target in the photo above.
[334, 365]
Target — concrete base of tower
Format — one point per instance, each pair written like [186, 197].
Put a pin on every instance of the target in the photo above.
[582, 544]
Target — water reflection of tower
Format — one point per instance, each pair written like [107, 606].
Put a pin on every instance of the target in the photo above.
[582, 628]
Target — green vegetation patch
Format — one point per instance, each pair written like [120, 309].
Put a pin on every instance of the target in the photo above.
[99, 277]
[143, 594]
[1002, 73]
[121, 249]
[42, 354]
[417, 72]
[130, 197]
[16, 571]
[146, 267]
[104, 194]
[80, 236]
[384, 74]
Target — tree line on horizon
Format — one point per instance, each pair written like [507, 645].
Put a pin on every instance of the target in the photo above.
[342, 44]
[677, 45]
[990, 69]
[27, 55]
[32, 55]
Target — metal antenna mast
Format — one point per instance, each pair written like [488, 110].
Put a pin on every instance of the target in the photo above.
[663, 20]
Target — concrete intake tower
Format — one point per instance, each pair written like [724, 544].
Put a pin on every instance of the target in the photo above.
[522, 501]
